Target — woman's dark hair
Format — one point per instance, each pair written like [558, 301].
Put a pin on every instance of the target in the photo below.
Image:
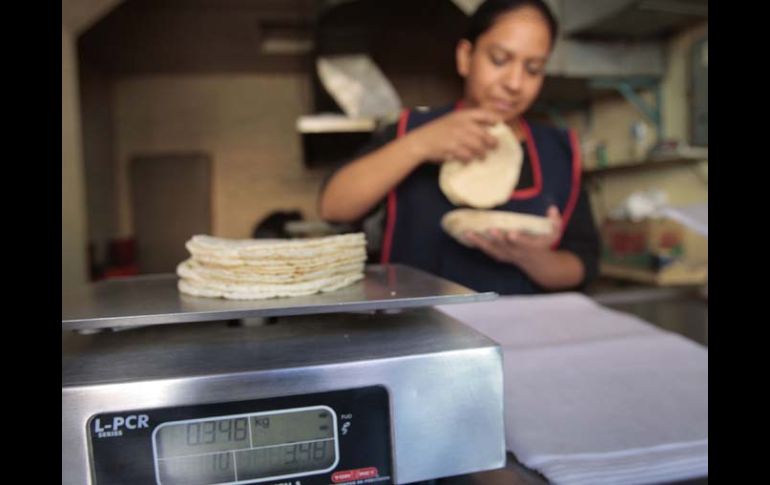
[484, 16]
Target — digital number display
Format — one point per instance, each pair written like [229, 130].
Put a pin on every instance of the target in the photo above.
[264, 445]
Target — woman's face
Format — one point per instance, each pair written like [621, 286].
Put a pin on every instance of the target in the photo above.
[505, 68]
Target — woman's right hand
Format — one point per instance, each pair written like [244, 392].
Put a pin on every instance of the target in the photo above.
[462, 135]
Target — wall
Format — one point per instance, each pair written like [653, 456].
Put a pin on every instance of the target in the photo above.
[245, 122]
[77, 15]
[98, 155]
[73, 247]
[241, 111]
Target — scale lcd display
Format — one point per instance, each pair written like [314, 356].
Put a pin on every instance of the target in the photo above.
[314, 438]
[246, 447]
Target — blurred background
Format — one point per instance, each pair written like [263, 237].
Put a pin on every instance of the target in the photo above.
[223, 117]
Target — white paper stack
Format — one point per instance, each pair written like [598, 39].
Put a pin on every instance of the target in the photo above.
[596, 396]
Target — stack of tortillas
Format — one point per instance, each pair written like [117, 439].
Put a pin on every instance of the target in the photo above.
[486, 183]
[458, 221]
[251, 269]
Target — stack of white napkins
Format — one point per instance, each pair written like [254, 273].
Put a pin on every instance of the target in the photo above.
[596, 396]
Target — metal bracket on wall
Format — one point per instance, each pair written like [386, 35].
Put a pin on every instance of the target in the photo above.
[628, 87]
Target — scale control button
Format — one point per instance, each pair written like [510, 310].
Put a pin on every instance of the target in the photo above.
[358, 474]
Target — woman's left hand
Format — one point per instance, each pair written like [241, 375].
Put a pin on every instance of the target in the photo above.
[516, 247]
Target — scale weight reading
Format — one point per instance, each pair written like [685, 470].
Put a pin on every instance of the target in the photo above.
[310, 439]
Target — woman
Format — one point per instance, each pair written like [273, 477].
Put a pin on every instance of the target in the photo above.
[502, 59]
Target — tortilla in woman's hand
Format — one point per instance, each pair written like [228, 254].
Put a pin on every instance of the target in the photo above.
[485, 183]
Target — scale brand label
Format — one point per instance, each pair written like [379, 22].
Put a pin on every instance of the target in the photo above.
[118, 423]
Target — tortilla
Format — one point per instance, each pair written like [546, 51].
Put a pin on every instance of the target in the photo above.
[457, 222]
[485, 183]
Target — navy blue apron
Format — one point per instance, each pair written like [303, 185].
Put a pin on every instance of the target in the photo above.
[413, 233]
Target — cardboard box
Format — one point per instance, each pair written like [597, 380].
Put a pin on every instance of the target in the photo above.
[654, 251]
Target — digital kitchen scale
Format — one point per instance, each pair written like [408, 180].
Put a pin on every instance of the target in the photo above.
[367, 384]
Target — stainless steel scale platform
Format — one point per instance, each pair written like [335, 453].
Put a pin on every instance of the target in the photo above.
[367, 384]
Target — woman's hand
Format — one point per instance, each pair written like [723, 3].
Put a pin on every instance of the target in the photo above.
[516, 247]
[462, 135]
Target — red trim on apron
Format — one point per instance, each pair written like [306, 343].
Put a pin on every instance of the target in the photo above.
[537, 174]
[390, 220]
[577, 171]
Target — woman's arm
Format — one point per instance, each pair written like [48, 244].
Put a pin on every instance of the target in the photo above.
[358, 186]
